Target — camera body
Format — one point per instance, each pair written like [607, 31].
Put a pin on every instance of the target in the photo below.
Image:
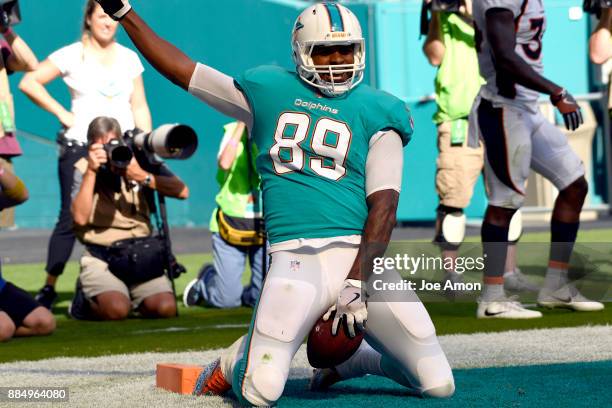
[170, 141]
[119, 154]
[11, 8]
[447, 6]
[595, 6]
[444, 6]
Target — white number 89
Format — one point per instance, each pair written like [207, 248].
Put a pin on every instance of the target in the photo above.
[287, 155]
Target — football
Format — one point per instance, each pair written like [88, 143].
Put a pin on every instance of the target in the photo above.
[325, 350]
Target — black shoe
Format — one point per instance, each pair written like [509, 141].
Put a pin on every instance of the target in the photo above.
[46, 296]
[80, 308]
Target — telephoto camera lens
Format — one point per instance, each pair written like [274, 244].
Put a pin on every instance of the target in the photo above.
[171, 141]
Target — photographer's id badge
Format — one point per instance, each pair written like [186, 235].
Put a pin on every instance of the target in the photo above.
[459, 131]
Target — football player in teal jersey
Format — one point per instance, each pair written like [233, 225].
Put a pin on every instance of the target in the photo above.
[330, 159]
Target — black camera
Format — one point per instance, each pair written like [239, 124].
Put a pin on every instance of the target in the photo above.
[447, 6]
[171, 141]
[11, 9]
[119, 153]
[595, 6]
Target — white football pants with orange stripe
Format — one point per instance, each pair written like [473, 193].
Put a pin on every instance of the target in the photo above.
[517, 140]
[300, 286]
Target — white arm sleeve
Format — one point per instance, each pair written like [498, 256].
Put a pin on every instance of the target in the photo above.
[384, 163]
[218, 91]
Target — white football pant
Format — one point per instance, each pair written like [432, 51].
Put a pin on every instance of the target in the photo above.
[300, 286]
[517, 140]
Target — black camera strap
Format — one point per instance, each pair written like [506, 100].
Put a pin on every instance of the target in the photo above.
[157, 209]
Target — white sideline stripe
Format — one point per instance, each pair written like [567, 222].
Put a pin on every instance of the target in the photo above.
[128, 380]
[51, 371]
[193, 328]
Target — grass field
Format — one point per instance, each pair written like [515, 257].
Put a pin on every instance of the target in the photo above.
[201, 329]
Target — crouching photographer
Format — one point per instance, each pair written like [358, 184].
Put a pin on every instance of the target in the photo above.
[123, 268]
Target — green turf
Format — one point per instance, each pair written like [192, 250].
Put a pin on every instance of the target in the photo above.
[584, 235]
[199, 328]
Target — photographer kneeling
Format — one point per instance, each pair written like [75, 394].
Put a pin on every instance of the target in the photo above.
[111, 208]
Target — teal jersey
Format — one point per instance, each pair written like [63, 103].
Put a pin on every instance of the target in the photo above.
[313, 150]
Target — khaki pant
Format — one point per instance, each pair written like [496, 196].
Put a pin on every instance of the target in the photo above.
[96, 278]
[7, 216]
[458, 168]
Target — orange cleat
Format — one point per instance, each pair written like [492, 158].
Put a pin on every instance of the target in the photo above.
[211, 380]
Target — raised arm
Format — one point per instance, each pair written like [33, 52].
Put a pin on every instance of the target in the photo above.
[434, 47]
[22, 58]
[165, 57]
[208, 84]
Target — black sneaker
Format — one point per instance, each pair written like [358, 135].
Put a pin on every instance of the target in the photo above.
[192, 295]
[46, 296]
[79, 308]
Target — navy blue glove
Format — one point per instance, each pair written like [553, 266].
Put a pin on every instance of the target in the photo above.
[567, 105]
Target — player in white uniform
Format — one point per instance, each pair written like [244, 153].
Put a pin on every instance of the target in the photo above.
[310, 275]
[517, 137]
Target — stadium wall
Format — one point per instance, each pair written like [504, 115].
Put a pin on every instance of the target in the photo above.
[235, 35]
[232, 35]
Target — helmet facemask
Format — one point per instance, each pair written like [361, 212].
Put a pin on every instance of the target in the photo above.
[312, 74]
[324, 25]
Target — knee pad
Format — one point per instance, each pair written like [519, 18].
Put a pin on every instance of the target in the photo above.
[283, 309]
[267, 384]
[442, 391]
[435, 376]
[452, 227]
[413, 317]
[516, 227]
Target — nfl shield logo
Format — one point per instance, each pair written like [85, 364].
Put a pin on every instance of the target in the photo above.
[294, 266]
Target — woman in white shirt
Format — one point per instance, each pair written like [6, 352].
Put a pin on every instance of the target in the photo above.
[104, 79]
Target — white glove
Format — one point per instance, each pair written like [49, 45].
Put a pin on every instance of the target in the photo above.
[352, 304]
[117, 9]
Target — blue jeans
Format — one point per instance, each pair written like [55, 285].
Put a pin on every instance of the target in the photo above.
[221, 286]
